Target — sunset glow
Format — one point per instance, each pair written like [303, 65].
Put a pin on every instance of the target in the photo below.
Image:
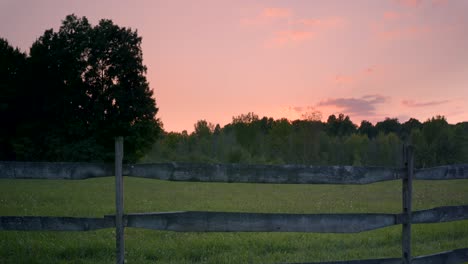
[214, 59]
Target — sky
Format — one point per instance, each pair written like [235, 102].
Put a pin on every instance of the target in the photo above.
[215, 59]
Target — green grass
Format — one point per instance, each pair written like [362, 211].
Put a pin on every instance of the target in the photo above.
[95, 198]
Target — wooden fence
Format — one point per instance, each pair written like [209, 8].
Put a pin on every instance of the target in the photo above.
[246, 222]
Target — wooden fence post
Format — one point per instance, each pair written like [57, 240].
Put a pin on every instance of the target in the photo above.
[407, 204]
[119, 226]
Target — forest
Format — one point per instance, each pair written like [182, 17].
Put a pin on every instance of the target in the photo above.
[338, 141]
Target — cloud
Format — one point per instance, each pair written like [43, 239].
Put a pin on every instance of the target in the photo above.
[274, 12]
[364, 106]
[305, 29]
[369, 70]
[391, 15]
[298, 109]
[403, 32]
[344, 79]
[439, 2]
[399, 25]
[268, 15]
[409, 3]
[418, 3]
[354, 77]
[285, 27]
[411, 103]
[375, 98]
[308, 22]
[322, 23]
[289, 36]
[301, 109]
[302, 112]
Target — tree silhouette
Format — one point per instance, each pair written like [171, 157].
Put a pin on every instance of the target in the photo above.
[389, 125]
[366, 128]
[12, 66]
[87, 85]
[340, 126]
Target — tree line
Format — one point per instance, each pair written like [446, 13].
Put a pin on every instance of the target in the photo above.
[338, 141]
[74, 91]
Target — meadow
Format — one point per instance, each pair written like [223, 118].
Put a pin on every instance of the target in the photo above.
[95, 198]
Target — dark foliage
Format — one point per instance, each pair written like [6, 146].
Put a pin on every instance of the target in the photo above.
[249, 139]
[79, 88]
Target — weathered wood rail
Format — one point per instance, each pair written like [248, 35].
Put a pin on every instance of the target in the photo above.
[447, 257]
[199, 221]
[54, 223]
[266, 222]
[241, 173]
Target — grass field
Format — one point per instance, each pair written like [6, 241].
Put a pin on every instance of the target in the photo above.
[95, 198]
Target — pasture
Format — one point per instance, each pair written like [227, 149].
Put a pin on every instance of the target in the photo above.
[95, 198]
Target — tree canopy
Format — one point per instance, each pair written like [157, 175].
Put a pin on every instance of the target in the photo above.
[250, 139]
[84, 85]
[12, 66]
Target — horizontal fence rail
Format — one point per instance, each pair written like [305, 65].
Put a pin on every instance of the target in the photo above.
[447, 172]
[51, 223]
[265, 222]
[242, 173]
[54, 170]
[440, 214]
[259, 222]
[199, 221]
[448, 257]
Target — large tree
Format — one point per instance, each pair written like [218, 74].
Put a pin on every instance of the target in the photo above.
[89, 86]
[12, 66]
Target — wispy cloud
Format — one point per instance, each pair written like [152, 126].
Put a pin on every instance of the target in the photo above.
[298, 109]
[302, 109]
[403, 32]
[344, 79]
[418, 3]
[267, 16]
[322, 23]
[369, 70]
[306, 28]
[409, 3]
[274, 12]
[364, 106]
[355, 77]
[439, 2]
[399, 25]
[285, 27]
[302, 112]
[288, 36]
[391, 15]
[411, 103]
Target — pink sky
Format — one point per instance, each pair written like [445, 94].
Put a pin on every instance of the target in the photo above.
[213, 59]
